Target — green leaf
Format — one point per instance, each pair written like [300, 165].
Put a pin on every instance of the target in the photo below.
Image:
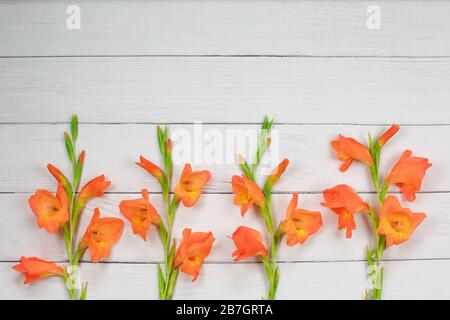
[78, 174]
[247, 171]
[74, 128]
[162, 233]
[172, 282]
[165, 134]
[69, 147]
[278, 235]
[161, 282]
[84, 291]
[161, 142]
[384, 191]
[276, 278]
[267, 266]
[171, 254]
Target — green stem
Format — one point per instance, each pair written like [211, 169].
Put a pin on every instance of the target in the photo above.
[171, 274]
[272, 269]
[73, 257]
[376, 270]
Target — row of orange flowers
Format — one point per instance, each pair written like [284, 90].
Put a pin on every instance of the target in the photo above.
[392, 223]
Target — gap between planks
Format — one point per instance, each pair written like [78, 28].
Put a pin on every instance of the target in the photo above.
[244, 262]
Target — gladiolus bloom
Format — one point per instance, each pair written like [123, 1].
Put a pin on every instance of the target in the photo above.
[140, 213]
[276, 174]
[94, 188]
[408, 173]
[59, 176]
[35, 268]
[385, 137]
[190, 186]
[300, 223]
[397, 223]
[246, 192]
[51, 211]
[192, 251]
[348, 149]
[151, 168]
[101, 235]
[248, 243]
[345, 202]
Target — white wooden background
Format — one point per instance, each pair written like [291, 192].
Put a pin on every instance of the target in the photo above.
[313, 65]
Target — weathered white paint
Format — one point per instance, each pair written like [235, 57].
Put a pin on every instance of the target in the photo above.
[326, 280]
[313, 65]
[218, 27]
[226, 90]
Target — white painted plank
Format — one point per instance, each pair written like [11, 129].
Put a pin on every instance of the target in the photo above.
[220, 27]
[113, 149]
[180, 90]
[334, 280]
[19, 234]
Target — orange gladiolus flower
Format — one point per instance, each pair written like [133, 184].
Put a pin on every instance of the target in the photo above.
[94, 188]
[246, 192]
[300, 223]
[408, 173]
[59, 176]
[151, 168]
[35, 268]
[140, 213]
[190, 186]
[345, 202]
[348, 149]
[192, 251]
[51, 211]
[397, 223]
[277, 172]
[385, 137]
[101, 235]
[248, 243]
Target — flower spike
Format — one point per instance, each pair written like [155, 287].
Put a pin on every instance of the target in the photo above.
[61, 213]
[391, 223]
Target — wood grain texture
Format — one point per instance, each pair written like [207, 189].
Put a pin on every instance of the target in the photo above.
[333, 280]
[225, 90]
[216, 213]
[313, 65]
[330, 28]
[113, 150]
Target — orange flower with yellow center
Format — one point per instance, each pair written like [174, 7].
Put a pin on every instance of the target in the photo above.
[345, 202]
[151, 168]
[190, 186]
[94, 188]
[35, 269]
[101, 235]
[248, 243]
[300, 223]
[397, 223]
[246, 193]
[140, 213]
[408, 174]
[51, 212]
[192, 251]
[348, 149]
